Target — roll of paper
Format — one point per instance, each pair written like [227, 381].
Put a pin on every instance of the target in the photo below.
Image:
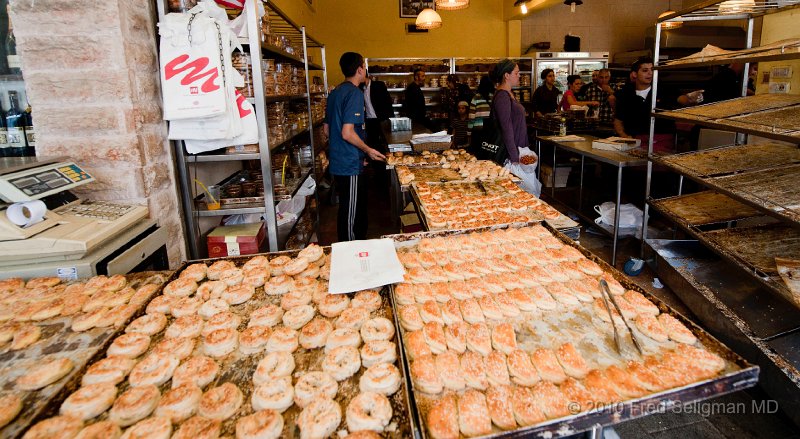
[27, 213]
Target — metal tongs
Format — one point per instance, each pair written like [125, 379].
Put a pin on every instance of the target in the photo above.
[606, 294]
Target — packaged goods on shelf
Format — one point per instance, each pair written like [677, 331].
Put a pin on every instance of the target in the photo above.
[236, 240]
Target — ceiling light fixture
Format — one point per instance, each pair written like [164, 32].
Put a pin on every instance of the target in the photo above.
[523, 6]
[428, 19]
[572, 4]
[451, 5]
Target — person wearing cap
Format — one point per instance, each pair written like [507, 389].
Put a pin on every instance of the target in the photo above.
[459, 125]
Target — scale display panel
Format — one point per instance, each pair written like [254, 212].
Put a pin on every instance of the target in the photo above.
[39, 182]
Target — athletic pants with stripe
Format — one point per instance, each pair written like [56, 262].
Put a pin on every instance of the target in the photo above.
[352, 217]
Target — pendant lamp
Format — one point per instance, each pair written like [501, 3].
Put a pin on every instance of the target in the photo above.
[451, 5]
[428, 19]
[572, 4]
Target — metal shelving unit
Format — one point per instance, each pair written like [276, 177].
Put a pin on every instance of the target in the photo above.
[724, 275]
[392, 76]
[282, 25]
[526, 69]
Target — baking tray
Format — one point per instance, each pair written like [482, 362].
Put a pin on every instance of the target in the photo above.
[739, 373]
[58, 341]
[759, 242]
[702, 208]
[238, 368]
[741, 115]
[561, 222]
[732, 159]
[775, 189]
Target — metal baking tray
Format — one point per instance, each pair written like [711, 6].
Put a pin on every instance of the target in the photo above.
[739, 373]
[562, 222]
[58, 341]
[238, 368]
[703, 208]
[731, 159]
[767, 277]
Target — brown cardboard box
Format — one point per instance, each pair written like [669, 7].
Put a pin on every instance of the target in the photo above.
[241, 239]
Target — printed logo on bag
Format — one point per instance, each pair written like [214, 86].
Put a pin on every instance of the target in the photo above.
[489, 146]
[194, 90]
[240, 100]
[195, 72]
[363, 254]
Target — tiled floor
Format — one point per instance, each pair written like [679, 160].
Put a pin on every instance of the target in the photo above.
[729, 416]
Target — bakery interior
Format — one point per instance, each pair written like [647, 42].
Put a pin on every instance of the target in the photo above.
[172, 270]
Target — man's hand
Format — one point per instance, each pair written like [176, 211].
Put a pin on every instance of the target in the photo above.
[374, 154]
[607, 88]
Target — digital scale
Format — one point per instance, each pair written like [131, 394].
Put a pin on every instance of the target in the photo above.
[76, 238]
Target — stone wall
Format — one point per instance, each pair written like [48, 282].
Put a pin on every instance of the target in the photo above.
[91, 75]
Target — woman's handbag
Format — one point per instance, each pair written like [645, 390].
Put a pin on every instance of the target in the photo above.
[491, 146]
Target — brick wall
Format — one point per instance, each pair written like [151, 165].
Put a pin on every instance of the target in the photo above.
[91, 76]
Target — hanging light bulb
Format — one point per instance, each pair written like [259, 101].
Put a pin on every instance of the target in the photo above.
[669, 24]
[572, 4]
[428, 19]
[523, 6]
[451, 5]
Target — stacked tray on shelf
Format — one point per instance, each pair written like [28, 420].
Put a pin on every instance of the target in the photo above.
[704, 208]
[772, 115]
[763, 175]
[458, 205]
[714, 55]
[473, 170]
[505, 333]
[51, 330]
[247, 345]
[427, 158]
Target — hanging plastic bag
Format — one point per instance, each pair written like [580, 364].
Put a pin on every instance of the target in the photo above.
[197, 75]
[527, 173]
[239, 24]
[249, 130]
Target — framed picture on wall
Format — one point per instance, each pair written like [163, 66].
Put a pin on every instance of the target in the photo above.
[412, 8]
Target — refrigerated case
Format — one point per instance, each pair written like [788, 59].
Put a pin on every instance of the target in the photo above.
[569, 63]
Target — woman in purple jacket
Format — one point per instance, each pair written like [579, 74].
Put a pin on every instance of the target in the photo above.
[510, 114]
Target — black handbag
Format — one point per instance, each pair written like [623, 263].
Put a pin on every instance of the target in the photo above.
[490, 142]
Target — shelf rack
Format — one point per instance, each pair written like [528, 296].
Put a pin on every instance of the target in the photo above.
[280, 24]
[727, 274]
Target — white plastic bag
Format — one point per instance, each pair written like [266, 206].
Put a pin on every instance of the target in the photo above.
[248, 125]
[198, 80]
[239, 24]
[527, 173]
[630, 219]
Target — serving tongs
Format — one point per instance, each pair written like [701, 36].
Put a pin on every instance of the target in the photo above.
[605, 293]
[481, 187]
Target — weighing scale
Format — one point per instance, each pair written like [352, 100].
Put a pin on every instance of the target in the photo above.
[76, 238]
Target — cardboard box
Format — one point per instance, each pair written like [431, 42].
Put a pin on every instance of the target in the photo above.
[241, 239]
[561, 176]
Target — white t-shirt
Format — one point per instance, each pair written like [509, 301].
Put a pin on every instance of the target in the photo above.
[643, 93]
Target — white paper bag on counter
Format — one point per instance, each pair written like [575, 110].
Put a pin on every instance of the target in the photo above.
[360, 265]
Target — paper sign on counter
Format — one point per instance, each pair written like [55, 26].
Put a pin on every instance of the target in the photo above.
[360, 265]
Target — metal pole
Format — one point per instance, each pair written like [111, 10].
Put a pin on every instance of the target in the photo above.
[254, 38]
[580, 189]
[654, 91]
[741, 138]
[311, 129]
[616, 218]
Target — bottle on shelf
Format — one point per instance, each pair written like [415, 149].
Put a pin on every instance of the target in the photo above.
[4, 146]
[30, 133]
[15, 125]
[562, 126]
[14, 63]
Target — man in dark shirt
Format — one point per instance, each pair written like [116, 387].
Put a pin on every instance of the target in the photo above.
[344, 125]
[414, 104]
[378, 107]
[632, 115]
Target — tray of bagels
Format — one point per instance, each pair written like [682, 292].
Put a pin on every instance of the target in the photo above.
[246, 347]
[506, 334]
[50, 329]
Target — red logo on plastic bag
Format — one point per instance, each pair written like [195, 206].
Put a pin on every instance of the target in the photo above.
[195, 72]
[363, 254]
[240, 99]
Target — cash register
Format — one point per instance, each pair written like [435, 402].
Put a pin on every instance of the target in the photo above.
[75, 238]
